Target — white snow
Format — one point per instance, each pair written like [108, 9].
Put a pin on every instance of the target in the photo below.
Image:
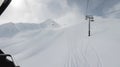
[34, 45]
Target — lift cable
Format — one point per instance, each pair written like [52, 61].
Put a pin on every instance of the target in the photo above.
[87, 7]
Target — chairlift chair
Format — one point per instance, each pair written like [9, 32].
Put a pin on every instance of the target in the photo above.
[10, 59]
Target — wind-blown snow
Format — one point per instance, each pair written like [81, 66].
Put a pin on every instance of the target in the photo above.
[49, 45]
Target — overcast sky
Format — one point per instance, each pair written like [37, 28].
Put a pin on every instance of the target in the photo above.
[98, 7]
[40, 10]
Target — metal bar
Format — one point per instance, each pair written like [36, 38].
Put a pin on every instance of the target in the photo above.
[89, 28]
[5, 55]
[4, 6]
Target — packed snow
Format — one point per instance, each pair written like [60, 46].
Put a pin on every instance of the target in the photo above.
[49, 44]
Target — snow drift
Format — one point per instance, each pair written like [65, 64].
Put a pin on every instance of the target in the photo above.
[48, 45]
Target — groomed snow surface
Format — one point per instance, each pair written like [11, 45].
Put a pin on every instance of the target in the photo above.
[50, 44]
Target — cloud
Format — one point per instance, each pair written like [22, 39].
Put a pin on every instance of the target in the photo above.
[114, 11]
[40, 10]
[96, 7]
[34, 10]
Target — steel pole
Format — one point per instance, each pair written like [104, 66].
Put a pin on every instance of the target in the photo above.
[89, 28]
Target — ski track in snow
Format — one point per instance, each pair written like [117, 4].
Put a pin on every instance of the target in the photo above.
[77, 55]
[74, 54]
[27, 51]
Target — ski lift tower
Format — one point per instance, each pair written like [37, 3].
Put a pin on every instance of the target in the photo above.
[90, 19]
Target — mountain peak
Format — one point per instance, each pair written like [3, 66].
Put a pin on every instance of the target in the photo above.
[8, 30]
[50, 24]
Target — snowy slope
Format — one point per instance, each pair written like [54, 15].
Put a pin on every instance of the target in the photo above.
[64, 47]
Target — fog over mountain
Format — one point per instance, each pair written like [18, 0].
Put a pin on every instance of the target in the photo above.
[11, 29]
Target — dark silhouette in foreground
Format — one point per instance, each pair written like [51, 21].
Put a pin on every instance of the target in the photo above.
[4, 62]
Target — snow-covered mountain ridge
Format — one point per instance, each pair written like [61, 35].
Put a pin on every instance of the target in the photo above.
[10, 29]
